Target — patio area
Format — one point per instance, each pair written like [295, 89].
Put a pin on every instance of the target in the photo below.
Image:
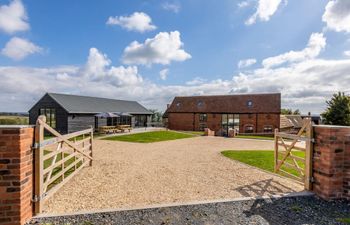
[129, 175]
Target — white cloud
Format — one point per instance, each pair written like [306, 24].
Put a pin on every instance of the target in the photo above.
[98, 68]
[337, 15]
[316, 44]
[265, 9]
[246, 63]
[138, 21]
[163, 74]
[347, 53]
[304, 84]
[243, 4]
[19, 48]
[162, 49]
[13, 17]
[174, 6]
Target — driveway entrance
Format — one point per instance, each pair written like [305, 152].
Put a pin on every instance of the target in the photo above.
[128, 175]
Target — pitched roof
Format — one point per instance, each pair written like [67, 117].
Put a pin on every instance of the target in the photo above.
[243, 103]
[85, 104]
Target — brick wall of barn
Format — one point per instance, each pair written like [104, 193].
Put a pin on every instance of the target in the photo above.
[331, 162]
[190, 121]
[16, 174]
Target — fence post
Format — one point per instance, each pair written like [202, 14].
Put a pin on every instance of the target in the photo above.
[39, 165]
[308, 156]
[276, 150]
[91, 138]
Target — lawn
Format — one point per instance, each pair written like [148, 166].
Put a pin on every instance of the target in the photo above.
[255, 137]
[14, 120]
[149, 137]
[261, 159]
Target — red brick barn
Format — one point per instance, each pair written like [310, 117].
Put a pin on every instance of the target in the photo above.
[246, 113]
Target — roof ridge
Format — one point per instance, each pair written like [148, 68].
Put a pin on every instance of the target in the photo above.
[85, 96]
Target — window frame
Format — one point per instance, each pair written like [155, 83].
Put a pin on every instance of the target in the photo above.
[203, 117]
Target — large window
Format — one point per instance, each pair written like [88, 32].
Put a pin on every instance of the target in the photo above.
[229, 122]
[141, 121]
[203, 117]
[50, 114]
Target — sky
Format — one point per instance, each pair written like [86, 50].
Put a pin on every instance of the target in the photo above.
[153, 50]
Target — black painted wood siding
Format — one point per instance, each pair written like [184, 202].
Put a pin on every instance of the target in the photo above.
[61, 114]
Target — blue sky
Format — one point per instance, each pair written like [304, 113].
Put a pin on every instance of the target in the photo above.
[69, 46]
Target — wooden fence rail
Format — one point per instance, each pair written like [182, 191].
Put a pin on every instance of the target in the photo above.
[58, 159]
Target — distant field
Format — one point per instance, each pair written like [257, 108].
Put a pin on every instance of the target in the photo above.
[14, 120]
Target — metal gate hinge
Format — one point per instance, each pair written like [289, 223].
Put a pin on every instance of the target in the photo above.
[37, 198]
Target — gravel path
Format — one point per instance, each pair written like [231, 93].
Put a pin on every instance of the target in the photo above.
[127, 175]
[279, 211]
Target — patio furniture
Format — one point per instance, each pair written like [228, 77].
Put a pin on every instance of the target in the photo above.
[124, 128]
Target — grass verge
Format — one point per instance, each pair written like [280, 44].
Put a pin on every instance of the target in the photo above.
[149, 137]
[262, 159]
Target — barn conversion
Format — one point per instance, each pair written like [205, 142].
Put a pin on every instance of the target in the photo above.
[70, 113]
[248, 113]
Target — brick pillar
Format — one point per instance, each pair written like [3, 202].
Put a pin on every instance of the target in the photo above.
[331, 162]
[16, 174]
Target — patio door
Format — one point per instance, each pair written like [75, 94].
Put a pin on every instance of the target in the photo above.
[229, 122]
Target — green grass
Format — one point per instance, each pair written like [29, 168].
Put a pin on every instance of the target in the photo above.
[261, 159]
[255, 137]
[149, 137]
[197, 133]
[344, 220]
[14, 120]
[59, 168]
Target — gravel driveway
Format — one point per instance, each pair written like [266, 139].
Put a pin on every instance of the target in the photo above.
[126, 175]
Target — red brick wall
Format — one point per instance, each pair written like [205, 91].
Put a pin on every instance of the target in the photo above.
[331, 162]
[247, 119]
[16, 175]
[180, 121]
[190, 121]
[267, 119]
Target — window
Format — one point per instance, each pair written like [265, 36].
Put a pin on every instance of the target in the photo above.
[250, 103]
[268, 129]
[199, 103]
[50, 114]
[202, 117]
[249, 128]
[178, 104]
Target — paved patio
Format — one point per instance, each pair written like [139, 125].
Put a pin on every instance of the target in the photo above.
[127, 175]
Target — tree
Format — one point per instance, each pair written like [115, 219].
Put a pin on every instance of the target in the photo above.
[338, 110]
[156, 116]
[290, 112]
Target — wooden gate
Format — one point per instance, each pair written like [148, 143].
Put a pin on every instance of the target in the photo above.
[293, 154]
[57, 159]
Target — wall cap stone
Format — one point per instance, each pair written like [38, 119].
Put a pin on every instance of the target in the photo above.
[331, 126]
[15, 126]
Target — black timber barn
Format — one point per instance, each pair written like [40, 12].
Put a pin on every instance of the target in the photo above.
[70, 113]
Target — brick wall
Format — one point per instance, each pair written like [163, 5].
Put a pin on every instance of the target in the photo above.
[16, 174]
[190, 121]
[331, 162]
[180, 121]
